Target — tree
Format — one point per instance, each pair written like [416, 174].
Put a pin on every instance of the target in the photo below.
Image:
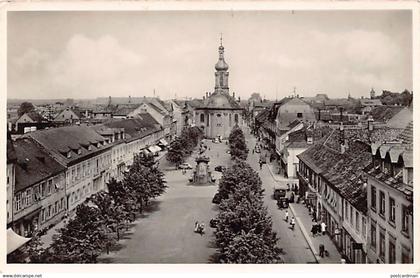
[123, 198]
[25, 107]
[237, 144]
[240, 172]
[31, 252]
[176, 154]
[82, 239]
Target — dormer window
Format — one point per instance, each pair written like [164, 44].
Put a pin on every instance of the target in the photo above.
[89, 148]
[79, 151]
[69, 154]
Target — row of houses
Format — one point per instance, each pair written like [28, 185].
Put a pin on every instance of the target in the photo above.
[50, 172]
[167, 113]
[356, 175]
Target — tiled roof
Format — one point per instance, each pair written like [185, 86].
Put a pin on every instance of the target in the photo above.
[124, 111]
[407, 135]
[384, 113]
[60, 141]
[342, 171]
[139, 127]
[262, 116]
[36, 117]
[34, 164]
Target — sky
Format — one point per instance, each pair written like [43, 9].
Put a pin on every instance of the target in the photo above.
[89, 54]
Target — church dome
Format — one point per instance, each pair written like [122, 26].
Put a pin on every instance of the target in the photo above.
[221, 65]
[220, 100]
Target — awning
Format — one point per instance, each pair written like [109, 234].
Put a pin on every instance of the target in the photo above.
[163, 142]
[15, 241]
[154, 149]
[145, 151]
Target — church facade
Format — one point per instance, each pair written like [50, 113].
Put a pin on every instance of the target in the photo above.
[219, 112]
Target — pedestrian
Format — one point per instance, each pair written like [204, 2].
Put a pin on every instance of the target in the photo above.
[321, 250]
[202, 228]
[292, 223]
[286, 216]
[314, 229]
[261, 164]
[323, 228]
[314, 216]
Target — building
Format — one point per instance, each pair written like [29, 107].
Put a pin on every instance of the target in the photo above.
[10, 174]
[141, 134]
[297, 141]
[29, 122]
[39, 194]
[390, 201]
[68, 115]
[219, 112]
[368, 104]
[291, 109]
[86, 156]
[331, 176]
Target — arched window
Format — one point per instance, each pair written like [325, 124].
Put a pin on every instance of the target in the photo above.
[236, 118]
[202, 118]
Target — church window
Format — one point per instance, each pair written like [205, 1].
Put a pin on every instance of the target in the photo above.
[218, 115]
[299, 115]
[236, 118]
[202, 118]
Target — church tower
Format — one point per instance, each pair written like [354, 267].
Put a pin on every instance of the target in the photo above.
[221, 74]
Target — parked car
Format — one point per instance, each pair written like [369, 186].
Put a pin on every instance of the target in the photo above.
[216, 140]
[185, 166]
[279, 193]
[216, 199]
[220, 168]
[257, 150]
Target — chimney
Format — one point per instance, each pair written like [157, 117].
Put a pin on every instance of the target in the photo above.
[309, 137]
[239, 99]
[233, 95]
[342, 140]
[341, 114]
[129, 99]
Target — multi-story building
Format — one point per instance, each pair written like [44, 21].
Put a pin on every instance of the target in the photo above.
[390, 201]
[332, 178]
[86, 156]
[10, 174]
[39, 193]
[141, 134]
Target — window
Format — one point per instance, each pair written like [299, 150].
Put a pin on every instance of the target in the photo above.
[373, 235]
[357, 222]
[69, 154]
[391, 210]
[391, 251]
[202, 118]
[382, 203]
[28, 200]
[351, 215]
[299, 115]
[404, 219]
[373, 198]
[382, 244]
[63, 205]
[236, 118]
[49, 213]
[43, 189]
[50, 187]
[364, 227]
[18, 201]
[346, 211]
[43, 215]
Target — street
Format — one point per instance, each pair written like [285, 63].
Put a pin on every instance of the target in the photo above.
[164, 234]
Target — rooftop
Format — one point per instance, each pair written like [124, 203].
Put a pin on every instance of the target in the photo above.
[79, 140]
[33, 164]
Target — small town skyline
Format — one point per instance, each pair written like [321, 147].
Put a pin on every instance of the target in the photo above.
[73, 59]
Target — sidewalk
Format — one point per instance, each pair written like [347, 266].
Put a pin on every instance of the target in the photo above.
[278, 177]
[304, 221]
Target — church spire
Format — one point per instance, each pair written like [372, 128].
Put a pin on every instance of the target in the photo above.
[221, 70]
